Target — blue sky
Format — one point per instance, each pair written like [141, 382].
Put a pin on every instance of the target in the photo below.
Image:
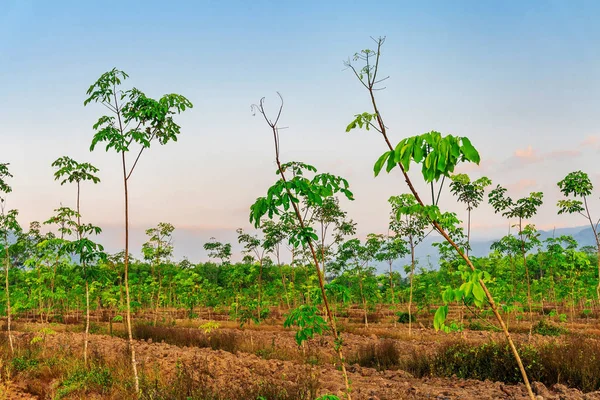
[521, 79]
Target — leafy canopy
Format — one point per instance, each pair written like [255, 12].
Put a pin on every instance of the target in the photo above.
[575, 184]
[4, 173]
[467, 191]
[437, 154]
[299, 188]
[523, 208]
[136, 118]
[71, 171]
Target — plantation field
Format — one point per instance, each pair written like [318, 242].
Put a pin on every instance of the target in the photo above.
[192, 358]
[307, 307]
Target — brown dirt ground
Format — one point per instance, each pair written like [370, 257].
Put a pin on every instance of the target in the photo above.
[246, 368]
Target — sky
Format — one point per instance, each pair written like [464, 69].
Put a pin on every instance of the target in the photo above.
[520, 79]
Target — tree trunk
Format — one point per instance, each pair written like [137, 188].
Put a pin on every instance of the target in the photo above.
[87, 322]
[364, 301]
[412, 273]
[528, 280]
[127, 295]
[8, 318]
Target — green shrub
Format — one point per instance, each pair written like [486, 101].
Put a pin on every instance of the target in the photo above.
[97, 380]
[403, 317]
[546, 328]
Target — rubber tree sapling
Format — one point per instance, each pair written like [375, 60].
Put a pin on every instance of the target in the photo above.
[71, 171]
[355, 258]
[579, 186]
[255, 246]
[275, 234]
[158, 250]
[325, 216]
[438, 156]
[8, 225]
[471, 194]
[522, 209]
[406, 223]
[285, 195]
[216, 249]
[134, 120]
[392, 248]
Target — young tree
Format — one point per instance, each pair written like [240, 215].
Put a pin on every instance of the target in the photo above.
[579, 186]
[255, 247]
[510, 246]
[355, 258]
[391, 249]
[8, 226]
[406, 223]
[219, 250]
[438, 156]
[275, 233]
[134, 120]
[471, 194]
[158, 250]
[522, 209]
[331, 223]
[71, 171]
[285, 195]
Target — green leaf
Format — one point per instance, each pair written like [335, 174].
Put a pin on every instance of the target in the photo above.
[379, 164]
[469, 151]
[440, 317]
[478, 292]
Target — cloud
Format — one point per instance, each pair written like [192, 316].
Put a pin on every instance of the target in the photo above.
[522, 185]
[527, 155]
[590, 141]
[483, 167]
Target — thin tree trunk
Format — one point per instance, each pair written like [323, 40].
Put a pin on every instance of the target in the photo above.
[260, 271]
[412, 273]
[364, 301]
[127, 295]
[87, 323]
[157, 304]
[468, 231]
[8, 318]
[528, 280]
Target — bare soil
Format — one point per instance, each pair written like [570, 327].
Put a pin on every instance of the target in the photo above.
[222, 368]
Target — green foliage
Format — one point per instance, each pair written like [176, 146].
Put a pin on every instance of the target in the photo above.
[219, 250]
[147, 118]
[546, 328]
[440, 317]
[404, 318]
[308, 321]
[467, 192]
[576, 184]
[70, 171]
[284, 193]
[210, 326]
[409, 219]
[523, 208]
[489, 361]
[96, 380]
[437, 154]
[4, 174]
